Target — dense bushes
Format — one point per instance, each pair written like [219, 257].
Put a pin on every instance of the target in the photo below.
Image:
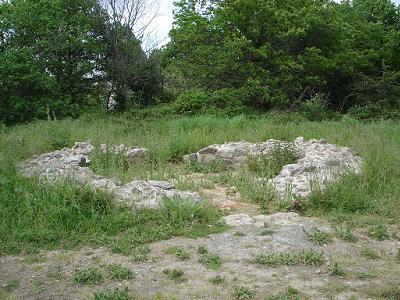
[227, 101]
[285, 54]
[225, 56]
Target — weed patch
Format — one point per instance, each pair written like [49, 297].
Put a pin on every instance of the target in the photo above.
[316, 236]
[179, 252]
[369, 253]
[378, 232]
[336, 270]
[210, 260]
[113, 294]
[88, 276]
[345, 233]
[218, 279]
[306, 257]
[242, 292]
[290, 294]
[176, 275]
[119, 272]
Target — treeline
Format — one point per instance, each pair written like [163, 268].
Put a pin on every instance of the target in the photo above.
[61, 57]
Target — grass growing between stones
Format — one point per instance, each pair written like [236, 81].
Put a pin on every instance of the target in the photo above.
[38, 216]
[113, 294]
[35, 216]
[305, 257]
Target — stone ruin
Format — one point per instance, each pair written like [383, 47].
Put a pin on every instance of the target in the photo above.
[317, 162]
[72, 163]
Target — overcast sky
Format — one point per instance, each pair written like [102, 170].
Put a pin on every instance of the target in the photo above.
[163, 23]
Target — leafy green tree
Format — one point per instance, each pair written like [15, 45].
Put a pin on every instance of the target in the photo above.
[289, 51]
[50, 57]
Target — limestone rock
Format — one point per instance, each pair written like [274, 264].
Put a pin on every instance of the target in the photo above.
[72, 163]
[236, 154]
[317, 162]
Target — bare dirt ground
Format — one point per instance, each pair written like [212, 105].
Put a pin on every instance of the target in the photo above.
[366, 268]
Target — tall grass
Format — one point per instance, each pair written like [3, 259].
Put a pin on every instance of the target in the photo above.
[32, 213]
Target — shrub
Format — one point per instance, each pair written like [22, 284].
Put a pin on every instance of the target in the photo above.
[225, 101]
[192, 102]
[314, 109]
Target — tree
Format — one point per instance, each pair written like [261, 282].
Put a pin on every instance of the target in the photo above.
[128, 69]
[290, 51]
[49, 62]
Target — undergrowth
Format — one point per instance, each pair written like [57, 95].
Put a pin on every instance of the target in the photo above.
[35, 216]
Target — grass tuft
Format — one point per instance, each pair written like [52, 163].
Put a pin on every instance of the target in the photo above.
[119, 272]
[346, 234]
[179, 252]
[305, 257]
[242, 292]
[113, 294]
[88, 276]
[378, 232]
[176, 275]
[369, 253]
[210, 260]
[218, 279]
[336, 270]
[316, 236]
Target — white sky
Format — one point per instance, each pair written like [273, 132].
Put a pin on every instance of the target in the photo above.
[163, 23]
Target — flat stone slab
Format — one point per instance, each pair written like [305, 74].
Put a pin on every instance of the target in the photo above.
[72, 164]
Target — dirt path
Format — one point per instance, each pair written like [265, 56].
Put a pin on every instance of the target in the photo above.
[367, 268]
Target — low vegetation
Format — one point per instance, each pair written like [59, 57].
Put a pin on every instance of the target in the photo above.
[119, 272]
[317, 237]
[88, 276]
[210, 260]
[113, 294]
[179, 252]
[305, 257]
[242, 292]
[176, 275]
[369, 253]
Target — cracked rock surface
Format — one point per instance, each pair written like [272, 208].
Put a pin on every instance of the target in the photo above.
[317, 162]
[72, 163]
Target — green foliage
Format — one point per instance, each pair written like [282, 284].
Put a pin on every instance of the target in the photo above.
[306, 257]
[218, 279]
[88, 276]
[271, 165]
[46, 61]
[369, 253]
[284, 54]
[225, 101]
[209, 259]
[336, 270]
[44, 216]
[242, 292]
[119, 272]
[290, 294]
[176, 275]
[345, 233]
[378, 232]
[316, 236]
[179, 252]
[113, 294]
